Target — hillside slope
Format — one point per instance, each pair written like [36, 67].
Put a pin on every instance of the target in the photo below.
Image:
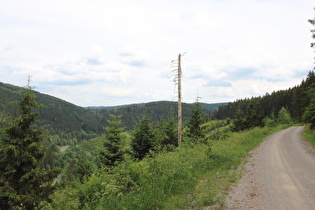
[59, 117]
[68, 122]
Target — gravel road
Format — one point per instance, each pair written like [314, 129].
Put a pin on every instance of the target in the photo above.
[279, 175]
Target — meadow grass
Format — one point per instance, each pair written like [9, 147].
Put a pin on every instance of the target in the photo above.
[227, 158]
[192, 176]
[309, 134]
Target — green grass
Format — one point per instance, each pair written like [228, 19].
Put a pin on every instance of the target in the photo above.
[227, 155]
[309, 134]
[192, 176]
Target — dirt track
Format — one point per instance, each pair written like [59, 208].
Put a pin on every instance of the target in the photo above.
[280, 175]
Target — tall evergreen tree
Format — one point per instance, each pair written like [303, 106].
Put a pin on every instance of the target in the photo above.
[23, 184]
[254, 115]
[309, 111]
[239, 122]
[170, 130]
[309, 114]
[143, 138]
[195, 121]
[166, 134]
[113, 141]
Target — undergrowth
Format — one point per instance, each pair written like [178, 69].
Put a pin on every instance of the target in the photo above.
[309, 134]
[192, 176]
[227, 156]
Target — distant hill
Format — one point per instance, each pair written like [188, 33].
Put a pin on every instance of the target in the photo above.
[63, 120]
[211, 107]
[67, 123]
[157, 111]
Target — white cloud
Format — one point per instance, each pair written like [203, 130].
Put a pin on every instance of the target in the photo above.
[115, 52]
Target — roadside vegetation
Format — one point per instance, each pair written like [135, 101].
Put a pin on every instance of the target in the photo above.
[309, 134]
[193, 175]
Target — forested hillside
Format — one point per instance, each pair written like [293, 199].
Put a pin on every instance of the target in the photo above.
[65, 122]
[156, 111]
[294, 100]
[68, 124]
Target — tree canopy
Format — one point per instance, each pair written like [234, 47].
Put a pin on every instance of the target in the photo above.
[22, 182]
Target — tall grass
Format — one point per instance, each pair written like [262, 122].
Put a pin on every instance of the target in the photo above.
[194, 175]
[309, 134]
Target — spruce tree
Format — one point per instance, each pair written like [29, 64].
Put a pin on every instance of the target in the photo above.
[113, 142]
[143, 138]
[239, 122]
[170, 131]
[195, 121]
[23, 184]
[309, 114]
[254, 115]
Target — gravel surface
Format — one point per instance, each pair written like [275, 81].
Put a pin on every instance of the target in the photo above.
[280, 174]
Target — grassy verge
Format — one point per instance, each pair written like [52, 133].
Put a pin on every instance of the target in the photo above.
[309, 134]
[227, 156]
[193, 176]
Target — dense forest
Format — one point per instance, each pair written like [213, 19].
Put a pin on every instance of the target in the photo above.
[293, 99]
[68, 124]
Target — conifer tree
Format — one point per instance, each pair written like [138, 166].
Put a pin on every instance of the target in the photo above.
[239, 122]
[195, 120]
[23, 184]
[113, 142]
[170, 130]
[254, 115]
[309, 114]
[143, 138]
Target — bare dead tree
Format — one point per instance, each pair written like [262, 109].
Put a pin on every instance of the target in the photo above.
[178, 81]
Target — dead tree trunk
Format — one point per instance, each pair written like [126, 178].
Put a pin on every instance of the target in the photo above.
[180, 118]
[178, 81]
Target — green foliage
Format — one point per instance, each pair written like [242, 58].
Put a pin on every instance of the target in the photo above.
[270, 121]
[309, 114]
[166, 135]
[217, 129]
[192, 176]
[138, 185]
[79, 169]
[251, 118]
[254, 115]
[284, 116]
[113, 153]
[156, 111]
[66, 123]
[239, 123]
[295, 100]
[143, 138]
[23, 183]
[309, 134]
[196, 119]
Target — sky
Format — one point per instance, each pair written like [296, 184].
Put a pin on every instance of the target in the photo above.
[116, 52]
